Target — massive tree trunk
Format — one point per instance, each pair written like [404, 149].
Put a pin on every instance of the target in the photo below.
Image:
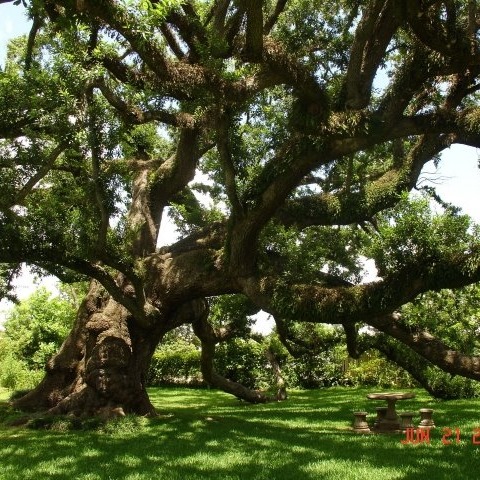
[101, 367]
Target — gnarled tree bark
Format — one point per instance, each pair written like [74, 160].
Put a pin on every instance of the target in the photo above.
[101, 367]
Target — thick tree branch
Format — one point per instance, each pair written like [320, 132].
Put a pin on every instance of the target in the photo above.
[218, 13]
[232, 28]
[204, 331]
[344, 207]
[296, 151]
[187, 272]
[172, 41]
[37, 24]
[179, 169]
[412, 363]
[254, 32]
[136, 116]
[442, 37]
[141, 217]
[190, 29]
[409, 78]
[177, 78]
[273, 18]
[295, 346]
[95, 142]
[224, 150]
[357, 303]
[123, 72]
[373, 34]
[15, 129]
[291, 72]
[54, 256]
[429, 347]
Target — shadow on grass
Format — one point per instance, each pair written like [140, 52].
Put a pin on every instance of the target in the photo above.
[209, 435]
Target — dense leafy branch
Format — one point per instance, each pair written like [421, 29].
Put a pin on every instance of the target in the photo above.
[359, 303]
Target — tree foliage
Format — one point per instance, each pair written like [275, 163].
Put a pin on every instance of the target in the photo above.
[36, 327]
[33, 331]
[281, 136]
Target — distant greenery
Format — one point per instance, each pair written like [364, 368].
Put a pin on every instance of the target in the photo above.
[306, 437]
[34, 330]
[244, 360]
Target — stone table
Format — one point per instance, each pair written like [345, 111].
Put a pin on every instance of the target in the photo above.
[390, 422]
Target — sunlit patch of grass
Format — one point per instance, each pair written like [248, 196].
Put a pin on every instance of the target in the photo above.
[350, 469]
[129, 460]
[128, 425]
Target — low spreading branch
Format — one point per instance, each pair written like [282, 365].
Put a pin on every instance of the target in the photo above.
[429, 347]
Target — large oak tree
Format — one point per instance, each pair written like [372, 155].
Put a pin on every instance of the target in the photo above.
[275, 132]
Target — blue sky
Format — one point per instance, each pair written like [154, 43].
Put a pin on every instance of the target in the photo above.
[13, 23]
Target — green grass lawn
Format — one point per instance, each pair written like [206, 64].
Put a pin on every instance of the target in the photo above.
[202, 434]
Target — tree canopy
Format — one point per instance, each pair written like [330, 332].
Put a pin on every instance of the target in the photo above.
[282, 136]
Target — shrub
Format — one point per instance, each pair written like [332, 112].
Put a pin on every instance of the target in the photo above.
[244, 361]
[35, 328]
[16, 375]
[325, 369]
[444, 385]
[374, 370]
[177, 364]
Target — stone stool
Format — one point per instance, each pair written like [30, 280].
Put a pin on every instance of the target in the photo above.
[360, 424]
[426, 420]
[381, 412]
[406, 420]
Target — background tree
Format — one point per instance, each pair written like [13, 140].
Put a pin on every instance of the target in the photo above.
[33, 332]
[115, 113]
